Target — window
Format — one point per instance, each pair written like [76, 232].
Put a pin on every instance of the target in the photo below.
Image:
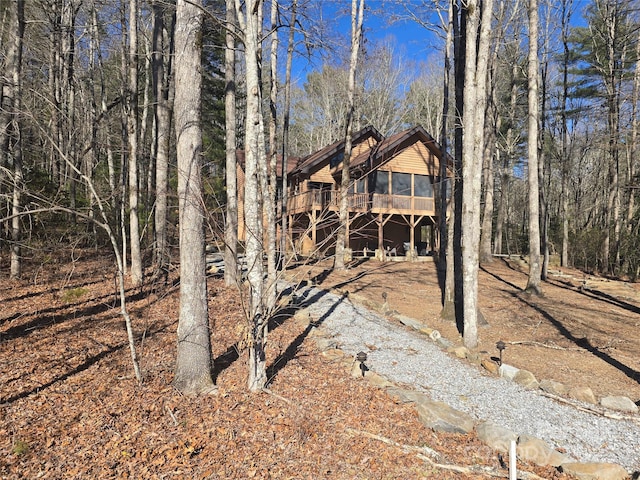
[335, 160]
[380, 181]
[422, 186]
[401, 184]
[361, 185]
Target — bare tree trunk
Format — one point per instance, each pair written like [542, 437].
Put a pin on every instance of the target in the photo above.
[132, 138]
[193, 362]
[564, 180]
[285, 132]
[269, 176]
[13, 91]
[357, 14]
[446, 225]
[535, 270]
[162, 136]
[253, 213]
[476, 61]
[231, 225]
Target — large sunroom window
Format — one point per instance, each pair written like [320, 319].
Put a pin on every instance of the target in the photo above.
[401, 184]
[422, 186]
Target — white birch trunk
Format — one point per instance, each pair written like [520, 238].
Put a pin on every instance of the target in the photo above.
[535, 268]
[231, 225]
[342, 242]
[473, 124]
[132, 140]
[253, 212]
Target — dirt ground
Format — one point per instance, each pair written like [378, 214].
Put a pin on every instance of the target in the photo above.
[70, 406]
[583, 331]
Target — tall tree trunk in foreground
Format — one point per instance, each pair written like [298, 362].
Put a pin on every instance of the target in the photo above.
[13, 141]
[357, 14]
[476, 60]
[535, 269]
[254, 153]
[132, 138]
[285, 131]
[193, 363]
[162, 135]
[231, 224]
[446, 226]
[269, 177]
[564, 179]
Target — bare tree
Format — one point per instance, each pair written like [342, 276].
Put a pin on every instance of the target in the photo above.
[476, 60]
[10, 126]
[231, 224]
[535, 269]
[249, 22]
[193, 362]
[132, 140]
[161, 83]
[285, 130]
[357, 16]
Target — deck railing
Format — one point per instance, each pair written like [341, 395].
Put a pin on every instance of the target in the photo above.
[330, 199]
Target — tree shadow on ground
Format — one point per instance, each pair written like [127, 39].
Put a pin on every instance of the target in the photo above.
[291, 351]
[582, 342]
[598, 295]
[565, 332]
[47, 317]
[82, 366]
[60, 378]
[232, 353]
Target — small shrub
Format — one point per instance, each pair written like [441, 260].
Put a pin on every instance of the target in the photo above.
[20, 448]
[73, 294]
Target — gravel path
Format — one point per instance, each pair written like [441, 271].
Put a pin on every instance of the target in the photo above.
[405, 356]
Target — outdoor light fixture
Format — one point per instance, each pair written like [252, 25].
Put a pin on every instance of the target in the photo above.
[362, 357]
[501, 346]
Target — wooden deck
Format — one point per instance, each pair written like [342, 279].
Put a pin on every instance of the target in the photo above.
[361, 202]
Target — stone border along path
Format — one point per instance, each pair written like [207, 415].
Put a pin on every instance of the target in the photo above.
[455, 396]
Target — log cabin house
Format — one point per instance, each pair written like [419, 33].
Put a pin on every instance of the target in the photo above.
[392, 198]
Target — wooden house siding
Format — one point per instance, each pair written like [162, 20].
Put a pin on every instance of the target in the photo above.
[323, 175]
[417, 158]
[363, 146]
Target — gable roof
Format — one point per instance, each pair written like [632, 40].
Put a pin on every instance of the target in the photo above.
[310, 161]
[292, 162]
[387, 149]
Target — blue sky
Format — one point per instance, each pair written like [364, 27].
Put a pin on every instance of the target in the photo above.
[383, 20]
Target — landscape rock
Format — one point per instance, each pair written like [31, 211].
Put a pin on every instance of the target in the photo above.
[407, 396]
[333, 354]
[443, 342]
[440, 417]
[409, 322]
[526, 379]
[491, 366]
[583, 394]
[474, 358]
[460, 352]
[377, 380]
[623, 404]
[508, 371]
[326, 344]
[595, 471]
[554, 388]
[539, 452]
[495, 436]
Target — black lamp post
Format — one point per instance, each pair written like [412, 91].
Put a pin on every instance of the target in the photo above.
[362, 357]
[501, 346]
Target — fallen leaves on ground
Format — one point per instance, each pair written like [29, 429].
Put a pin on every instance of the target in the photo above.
[70, 406]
